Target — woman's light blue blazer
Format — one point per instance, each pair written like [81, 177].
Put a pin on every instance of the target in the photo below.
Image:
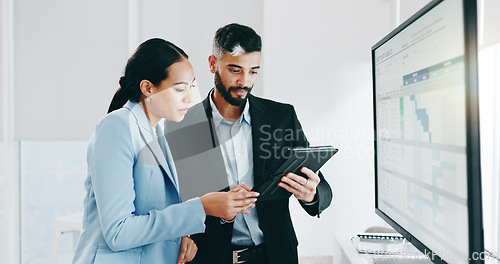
[132, 209]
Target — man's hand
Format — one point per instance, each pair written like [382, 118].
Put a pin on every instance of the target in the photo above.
[242, 188]
[188, 250]
[303, 189]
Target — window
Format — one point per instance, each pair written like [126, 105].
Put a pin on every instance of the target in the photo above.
[489, 96]
[2, 212]
[52, 176]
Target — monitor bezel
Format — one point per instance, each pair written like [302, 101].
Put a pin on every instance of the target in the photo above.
[474, 198]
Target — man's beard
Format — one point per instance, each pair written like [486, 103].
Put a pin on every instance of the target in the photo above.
[239, 100]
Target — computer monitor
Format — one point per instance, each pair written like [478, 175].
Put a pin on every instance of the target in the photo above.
[427, 164]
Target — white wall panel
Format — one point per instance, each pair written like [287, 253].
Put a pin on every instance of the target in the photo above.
[192, 24]
[2, 214]
[410, 7]
[70, 55]
[491, 20]
[69, 58]
[2, 56]
[491, 23]
[318, 57]
[2, 208]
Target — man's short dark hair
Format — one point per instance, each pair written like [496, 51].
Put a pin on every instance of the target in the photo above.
[236, 39]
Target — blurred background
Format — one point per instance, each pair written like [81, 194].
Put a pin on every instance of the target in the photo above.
[61, 62]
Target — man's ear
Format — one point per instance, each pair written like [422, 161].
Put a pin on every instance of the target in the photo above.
[212, 61]
[146, 88]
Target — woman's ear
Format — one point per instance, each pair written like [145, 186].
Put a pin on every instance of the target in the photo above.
[212, 61]
[146, 88]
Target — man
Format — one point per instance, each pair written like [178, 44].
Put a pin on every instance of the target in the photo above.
[244, 135]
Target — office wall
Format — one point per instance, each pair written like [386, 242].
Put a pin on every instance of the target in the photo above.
[409, 7]
[2, 207]
[69, 58]
[193, 29]
[2, 217]
[491, 23]
[70, 55]
[1, 72]
[318, 57]
[2, 221]
[489, 85]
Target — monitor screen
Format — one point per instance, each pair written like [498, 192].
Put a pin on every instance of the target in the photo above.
[422, 90]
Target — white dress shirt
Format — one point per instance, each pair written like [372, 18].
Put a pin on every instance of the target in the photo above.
[237, 150]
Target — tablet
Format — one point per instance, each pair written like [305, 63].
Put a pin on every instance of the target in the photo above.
[292, 161]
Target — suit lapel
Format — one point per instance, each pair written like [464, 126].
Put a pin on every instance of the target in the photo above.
[208, 112]
[146, 133]
[219, 159]
[171, 172]
[260, 135]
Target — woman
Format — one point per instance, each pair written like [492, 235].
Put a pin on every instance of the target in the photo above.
[133, 212]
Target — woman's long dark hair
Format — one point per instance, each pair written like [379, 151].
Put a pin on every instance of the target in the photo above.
[149, 62]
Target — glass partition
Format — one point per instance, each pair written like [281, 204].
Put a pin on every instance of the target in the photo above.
[52, 175]
[2, 211]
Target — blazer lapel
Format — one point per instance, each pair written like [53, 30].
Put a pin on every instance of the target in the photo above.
[260, 134]
[152, 145]
[160, 158]
[172, 172]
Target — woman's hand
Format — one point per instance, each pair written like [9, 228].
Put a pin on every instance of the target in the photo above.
[240, 187]
[227, 205]
[188, 250]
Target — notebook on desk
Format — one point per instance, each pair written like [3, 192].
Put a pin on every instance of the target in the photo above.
[383, 244]
[381, 260]
[388, 248]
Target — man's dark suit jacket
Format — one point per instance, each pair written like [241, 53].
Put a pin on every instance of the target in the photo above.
[274, 126]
